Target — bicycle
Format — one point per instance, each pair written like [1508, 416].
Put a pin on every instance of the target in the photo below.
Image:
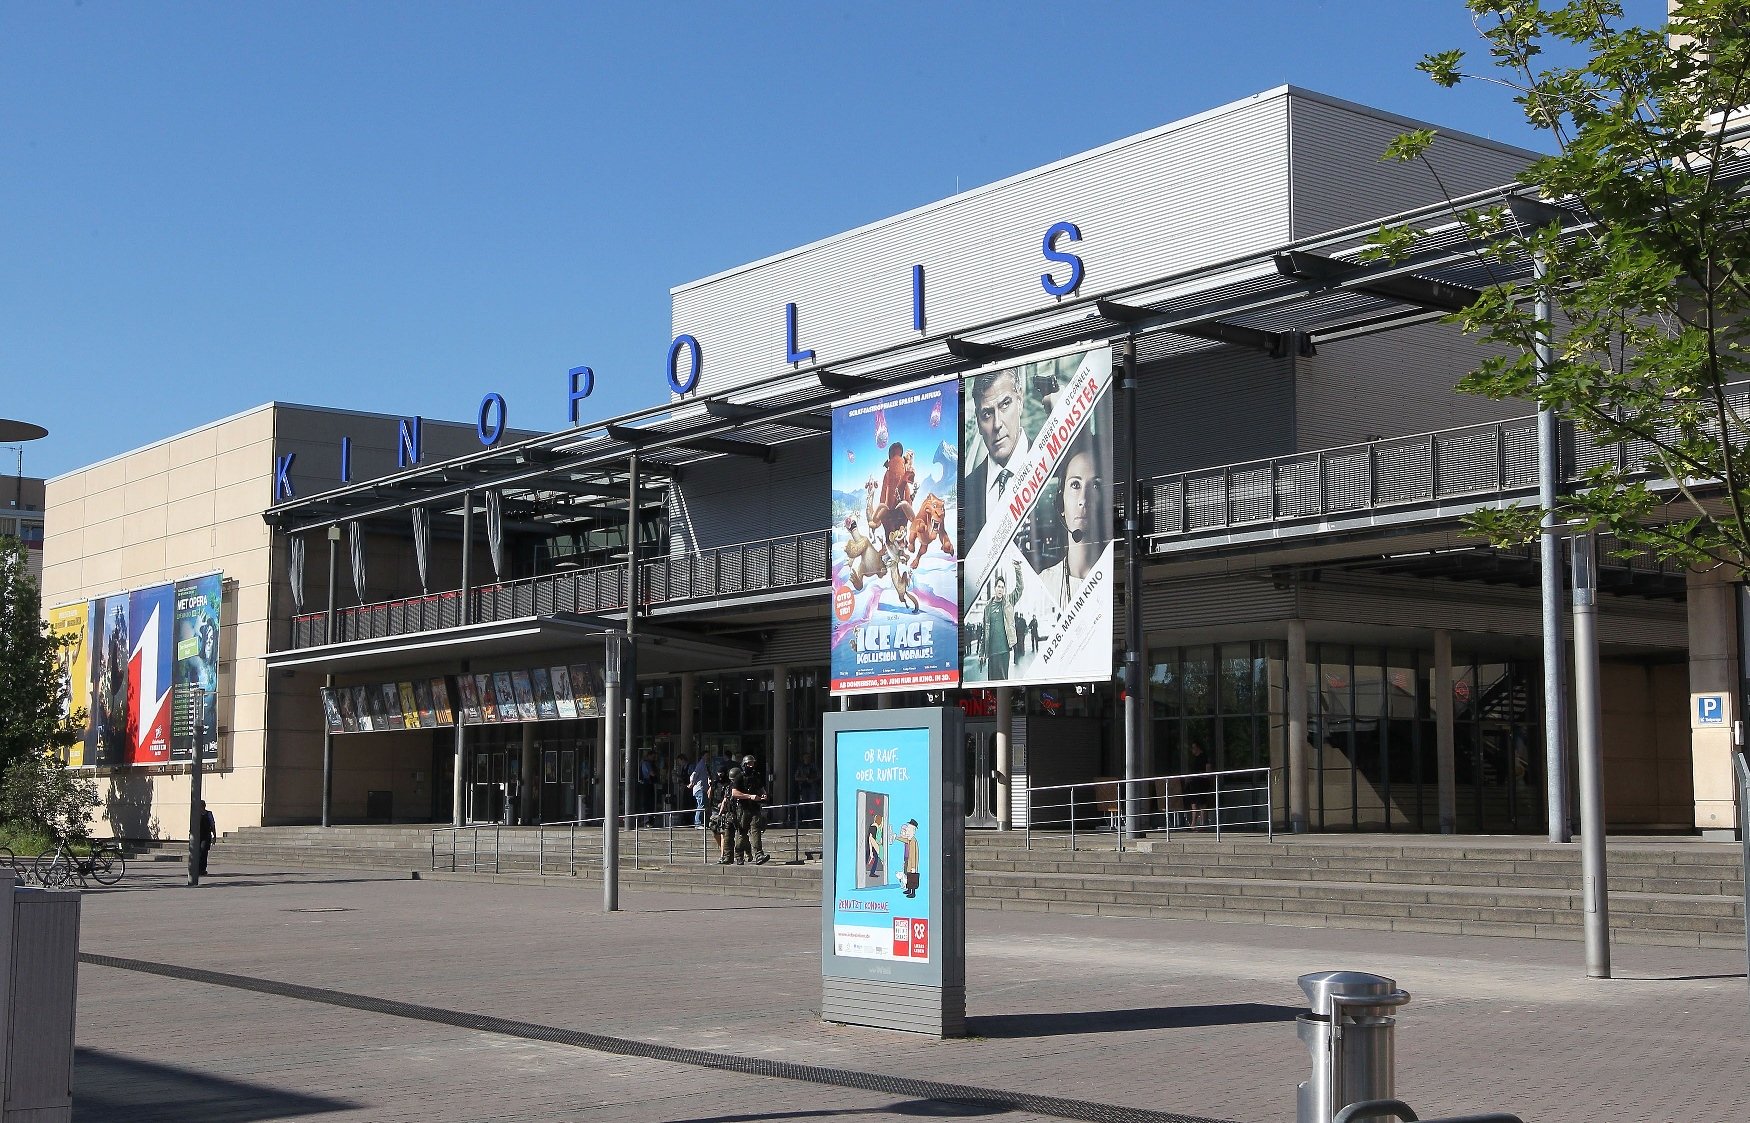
[20, 870]
[104, 865]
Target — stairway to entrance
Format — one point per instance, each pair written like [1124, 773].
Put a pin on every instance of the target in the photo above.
[1680, 892]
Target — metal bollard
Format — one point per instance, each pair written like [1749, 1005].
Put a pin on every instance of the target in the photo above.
[1348, 1030]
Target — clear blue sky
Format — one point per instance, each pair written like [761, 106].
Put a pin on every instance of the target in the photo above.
[398, 206]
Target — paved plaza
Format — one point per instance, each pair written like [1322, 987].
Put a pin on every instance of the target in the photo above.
[1172, 1017]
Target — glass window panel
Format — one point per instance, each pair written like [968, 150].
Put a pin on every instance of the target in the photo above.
[1165, 685]
[1199, 685]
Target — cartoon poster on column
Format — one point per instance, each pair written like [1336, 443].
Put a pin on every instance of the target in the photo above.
[881, 879]
[1036, 588]
[895, 501]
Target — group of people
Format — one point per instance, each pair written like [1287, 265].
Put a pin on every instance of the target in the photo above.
[732, 801]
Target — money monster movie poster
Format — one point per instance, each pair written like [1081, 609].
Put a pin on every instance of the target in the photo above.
[1036, 588]
[895, 501]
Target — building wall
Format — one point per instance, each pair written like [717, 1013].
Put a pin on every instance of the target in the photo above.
[192, 504]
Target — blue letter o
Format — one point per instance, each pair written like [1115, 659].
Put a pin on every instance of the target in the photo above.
[489, 437]
[691, 382]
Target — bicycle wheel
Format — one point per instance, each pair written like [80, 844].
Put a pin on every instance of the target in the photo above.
[107, 865]
[52, 869]
[9, 860]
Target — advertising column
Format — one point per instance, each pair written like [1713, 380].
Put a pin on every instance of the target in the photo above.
[893, 916]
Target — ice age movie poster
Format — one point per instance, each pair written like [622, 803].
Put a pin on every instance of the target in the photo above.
[1036, 587]
[885, 822]
[895, 574]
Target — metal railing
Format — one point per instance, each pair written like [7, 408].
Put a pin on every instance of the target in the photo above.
[766, 563]
[459, 852]
[1234, 799]
[1490, 462]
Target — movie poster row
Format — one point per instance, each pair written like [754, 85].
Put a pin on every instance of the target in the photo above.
[144, 668]
[539, 694]
[972, 530]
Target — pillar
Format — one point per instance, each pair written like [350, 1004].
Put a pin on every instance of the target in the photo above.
[780, 758]
[689, 732]
[529, 799]
[1005, 761]
[884, 701]
[1299, 821]
[1713, 666]
[1445, 733]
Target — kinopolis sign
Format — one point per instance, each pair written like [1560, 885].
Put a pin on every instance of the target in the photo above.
[686, 363]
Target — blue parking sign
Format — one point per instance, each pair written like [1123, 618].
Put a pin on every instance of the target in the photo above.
[1710, 709]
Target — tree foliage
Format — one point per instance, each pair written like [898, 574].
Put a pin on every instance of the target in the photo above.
[36, 792]
[1651, 289]
[33, 691]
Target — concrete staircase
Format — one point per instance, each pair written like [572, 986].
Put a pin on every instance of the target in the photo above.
[1674, 892]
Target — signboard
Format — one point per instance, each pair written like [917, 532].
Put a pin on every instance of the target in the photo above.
[895, 587]
[196, 708]
[71, 624]
[1711, 710]
[893, 931]
[1036, 582]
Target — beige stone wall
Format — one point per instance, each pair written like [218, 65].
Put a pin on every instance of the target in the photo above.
[180, 507]
[192, 504]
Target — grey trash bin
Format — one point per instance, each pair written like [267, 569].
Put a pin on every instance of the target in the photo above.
[1348, 1030]
[39, 947]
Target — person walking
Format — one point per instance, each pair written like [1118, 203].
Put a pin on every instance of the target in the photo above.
[699, 779]
[750, 798]
[209, 834]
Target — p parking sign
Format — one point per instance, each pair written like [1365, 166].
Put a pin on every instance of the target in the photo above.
[1711, 710]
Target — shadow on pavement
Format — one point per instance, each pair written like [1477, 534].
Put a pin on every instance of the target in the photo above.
[215, 881]
[1112, 1021]
[918, 1109]
[109, 1087]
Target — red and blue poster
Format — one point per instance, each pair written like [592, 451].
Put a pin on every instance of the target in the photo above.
[895, 569]
[150, 655]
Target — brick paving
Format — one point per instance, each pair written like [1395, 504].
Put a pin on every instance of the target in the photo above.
[1175, 1016]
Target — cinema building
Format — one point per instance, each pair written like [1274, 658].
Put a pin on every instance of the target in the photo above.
[1308, 601]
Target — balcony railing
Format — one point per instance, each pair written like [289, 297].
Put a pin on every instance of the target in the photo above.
[745, 567]
[1453, 468]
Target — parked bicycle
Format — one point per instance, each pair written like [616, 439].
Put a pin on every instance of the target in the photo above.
[103, 863]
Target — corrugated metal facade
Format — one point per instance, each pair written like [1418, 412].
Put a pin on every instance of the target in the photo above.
[1390, 384]
[1195, 192]
[1339, 179]
[1208, 407]
[735, 499]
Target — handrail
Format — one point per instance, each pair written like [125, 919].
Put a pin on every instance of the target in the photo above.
[1247, 790]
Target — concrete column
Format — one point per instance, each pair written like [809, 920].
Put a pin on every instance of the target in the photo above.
[529, 801]
[1299, 818]
[689, 733]
[1713, 665]
[1005, 757]
[884, 701]
[1445, 733]
[780, 758]
[459, 795]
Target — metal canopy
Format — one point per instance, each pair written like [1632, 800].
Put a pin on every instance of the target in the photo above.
[664, 650]
[1287, 299]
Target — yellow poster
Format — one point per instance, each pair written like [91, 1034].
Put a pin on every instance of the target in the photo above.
[71, 624]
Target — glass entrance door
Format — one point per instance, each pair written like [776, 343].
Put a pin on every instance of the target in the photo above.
[981, 782]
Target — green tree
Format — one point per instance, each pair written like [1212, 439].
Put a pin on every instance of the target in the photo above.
[39, 795]
[33, 693]
[1650, 288]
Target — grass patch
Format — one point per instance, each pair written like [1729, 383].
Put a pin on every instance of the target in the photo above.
[25, 841]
